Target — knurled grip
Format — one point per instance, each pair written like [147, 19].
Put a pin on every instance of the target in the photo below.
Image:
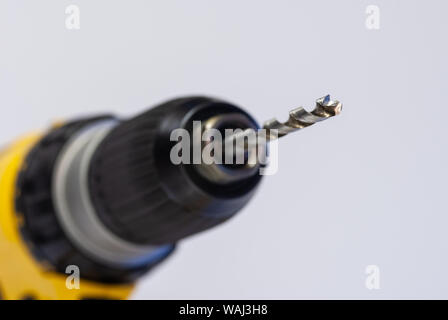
[141, 196]
[41, 228]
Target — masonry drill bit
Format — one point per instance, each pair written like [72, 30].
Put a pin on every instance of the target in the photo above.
[300, 118]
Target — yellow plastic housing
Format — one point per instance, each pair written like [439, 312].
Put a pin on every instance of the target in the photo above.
[21, 276]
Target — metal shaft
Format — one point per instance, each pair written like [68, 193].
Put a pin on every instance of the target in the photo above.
[299, 118]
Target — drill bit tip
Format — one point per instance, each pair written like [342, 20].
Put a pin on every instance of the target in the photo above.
[333, 107]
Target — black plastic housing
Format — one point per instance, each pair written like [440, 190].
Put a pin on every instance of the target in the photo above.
[41, 229]
[141, 196]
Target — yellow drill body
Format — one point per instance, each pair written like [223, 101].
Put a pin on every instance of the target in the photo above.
[21, 275]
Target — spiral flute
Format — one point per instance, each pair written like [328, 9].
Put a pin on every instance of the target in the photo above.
[300, 118]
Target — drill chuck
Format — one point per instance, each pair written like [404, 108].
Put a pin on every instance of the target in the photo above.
[114, 197]
[143, 197]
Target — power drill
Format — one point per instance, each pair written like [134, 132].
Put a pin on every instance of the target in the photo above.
[104, 195]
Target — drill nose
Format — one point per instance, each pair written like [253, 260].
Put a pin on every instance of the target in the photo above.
[145, 197]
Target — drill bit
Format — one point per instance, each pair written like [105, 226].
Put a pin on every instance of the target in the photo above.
[300, 118]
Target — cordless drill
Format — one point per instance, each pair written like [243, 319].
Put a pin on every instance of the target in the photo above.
[104, 194]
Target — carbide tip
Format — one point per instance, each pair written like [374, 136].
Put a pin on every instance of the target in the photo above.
[334, 107]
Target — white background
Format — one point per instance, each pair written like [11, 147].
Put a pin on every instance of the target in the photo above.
[368, 187]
